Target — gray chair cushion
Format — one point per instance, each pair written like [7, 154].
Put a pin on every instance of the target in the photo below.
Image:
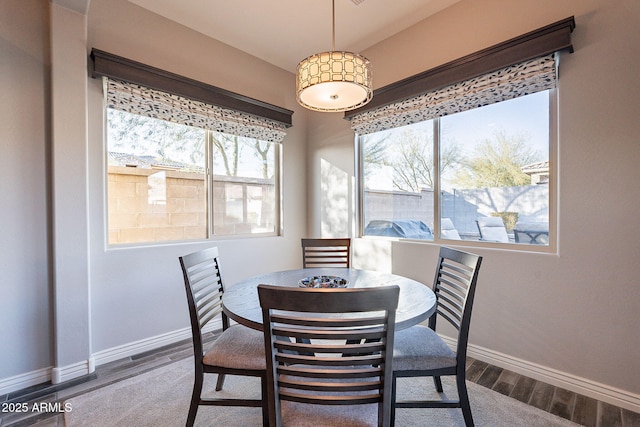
[306, 415]
[420, 348]
[238, 347]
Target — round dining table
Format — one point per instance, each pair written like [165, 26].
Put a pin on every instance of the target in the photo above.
[417, 301]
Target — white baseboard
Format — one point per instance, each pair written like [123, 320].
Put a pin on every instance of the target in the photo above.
[583, 386]
[61, 374]
[55, 375]
[65, 373]
[147, 344]
[18, 382]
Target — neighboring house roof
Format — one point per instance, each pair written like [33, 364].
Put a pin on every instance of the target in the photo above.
[149, 162]
[538, 167]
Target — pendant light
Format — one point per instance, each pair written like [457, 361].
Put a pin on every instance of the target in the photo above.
[335, 80]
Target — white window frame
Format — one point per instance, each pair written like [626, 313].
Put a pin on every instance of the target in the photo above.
[209, 179]
[552, 247]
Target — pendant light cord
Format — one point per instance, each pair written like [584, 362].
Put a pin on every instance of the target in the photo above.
[333, 27]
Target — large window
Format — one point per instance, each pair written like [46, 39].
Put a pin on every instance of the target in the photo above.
[478, 175]
[466, 151]
[172, 182]
[186, 160]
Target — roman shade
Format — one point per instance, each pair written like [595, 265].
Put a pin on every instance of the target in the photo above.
[141, 89]
[508, 83]
[143, 101]
[517, 67]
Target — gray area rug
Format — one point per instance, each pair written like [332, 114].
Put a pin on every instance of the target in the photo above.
[160, 398]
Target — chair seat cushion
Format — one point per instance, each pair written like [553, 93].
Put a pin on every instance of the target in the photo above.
[238, 347]
[420, 348]
[306, 415]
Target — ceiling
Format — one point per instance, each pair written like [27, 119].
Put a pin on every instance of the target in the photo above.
[283, 32]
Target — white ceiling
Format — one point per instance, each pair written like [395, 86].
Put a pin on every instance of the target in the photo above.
[283, 32]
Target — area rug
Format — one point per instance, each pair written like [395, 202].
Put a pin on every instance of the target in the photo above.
[160, 398]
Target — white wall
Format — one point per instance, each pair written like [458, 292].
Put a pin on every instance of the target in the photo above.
[67, 299]
[138, 293]
[24, 143]
[571, 314]
[569, 318]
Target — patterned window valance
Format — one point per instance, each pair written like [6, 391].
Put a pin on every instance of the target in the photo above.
[507, 83]
[140, 100]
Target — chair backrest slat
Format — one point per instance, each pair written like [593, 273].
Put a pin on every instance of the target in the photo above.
[307, 321]
[455, 320]
[326, 334]
[366, 347]
[208, 314]
[333, 252]
[450, 306]
[329, 346]
[198, 284]
[453, 288]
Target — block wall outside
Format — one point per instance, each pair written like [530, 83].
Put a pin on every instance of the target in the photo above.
[463, 207]
[150, 205]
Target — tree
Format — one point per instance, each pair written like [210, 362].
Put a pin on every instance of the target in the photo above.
[262, 152]
[373, 154]
[229, 151]
[140, 135]
[413, 169]
[414, 166]
[498, 162]
[410, 157]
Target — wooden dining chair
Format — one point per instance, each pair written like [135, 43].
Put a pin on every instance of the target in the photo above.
[238, 350]
[419, 352]
[326, 252]
[340, 373]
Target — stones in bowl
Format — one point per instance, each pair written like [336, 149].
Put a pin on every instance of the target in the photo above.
[323, 282]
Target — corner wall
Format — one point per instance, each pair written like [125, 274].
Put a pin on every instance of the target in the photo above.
[137, 292]
[25, 285]
[569, 318]
[108, 303]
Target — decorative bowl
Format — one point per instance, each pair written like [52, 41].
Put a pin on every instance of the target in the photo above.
[323, 282]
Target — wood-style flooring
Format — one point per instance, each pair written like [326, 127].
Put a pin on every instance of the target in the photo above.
[569, 405]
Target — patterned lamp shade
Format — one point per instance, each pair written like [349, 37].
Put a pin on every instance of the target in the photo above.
[334, 81]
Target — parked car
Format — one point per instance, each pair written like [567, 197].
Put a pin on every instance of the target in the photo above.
[404, 228]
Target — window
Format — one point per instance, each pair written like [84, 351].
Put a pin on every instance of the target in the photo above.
[464, 151]
[444, 178]
[245, 196]
[186, 160]
[159, 189]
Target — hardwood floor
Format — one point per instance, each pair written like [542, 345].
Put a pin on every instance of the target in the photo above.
[569, 405]
[558, 401]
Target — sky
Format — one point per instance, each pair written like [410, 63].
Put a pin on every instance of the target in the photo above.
[527, 115]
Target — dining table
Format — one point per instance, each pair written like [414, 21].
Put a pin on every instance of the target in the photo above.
[416, 303]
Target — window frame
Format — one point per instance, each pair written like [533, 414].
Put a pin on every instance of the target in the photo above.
[107, 65]
[208, 183]
[550, 39]
[552, 247]
[278, 225]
